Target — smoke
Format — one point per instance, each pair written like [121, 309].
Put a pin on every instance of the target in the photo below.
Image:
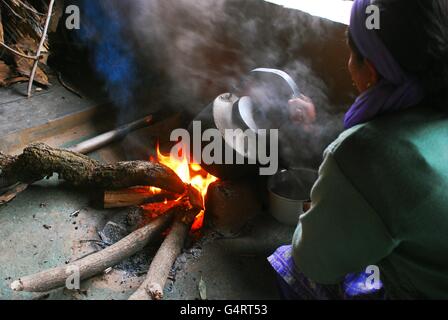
[112, 55]
[181, 54]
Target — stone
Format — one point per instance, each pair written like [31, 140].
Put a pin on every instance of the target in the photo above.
[230, 205]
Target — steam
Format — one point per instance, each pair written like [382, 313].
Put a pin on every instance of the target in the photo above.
[181, 54]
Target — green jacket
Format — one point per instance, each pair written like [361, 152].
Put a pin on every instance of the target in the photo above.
[382, 199]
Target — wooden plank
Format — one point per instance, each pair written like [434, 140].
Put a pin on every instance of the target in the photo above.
[18, 113]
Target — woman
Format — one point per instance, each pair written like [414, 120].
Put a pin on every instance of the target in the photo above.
[379, 209]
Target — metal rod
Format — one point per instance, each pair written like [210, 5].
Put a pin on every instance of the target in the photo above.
[108, 137]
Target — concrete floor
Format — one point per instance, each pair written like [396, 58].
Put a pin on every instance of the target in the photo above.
[235, 268]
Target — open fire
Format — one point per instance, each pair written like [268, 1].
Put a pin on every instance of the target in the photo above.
[190, 173]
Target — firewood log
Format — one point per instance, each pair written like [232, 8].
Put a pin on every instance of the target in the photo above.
[171, 248]
[133, 197]
[39, 161]
[95, 263]
[84, 147]
[7, 176]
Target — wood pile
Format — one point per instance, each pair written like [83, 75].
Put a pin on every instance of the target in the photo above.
[24, 28]
[39, 161]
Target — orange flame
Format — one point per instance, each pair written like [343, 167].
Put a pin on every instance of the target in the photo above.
[192, 174]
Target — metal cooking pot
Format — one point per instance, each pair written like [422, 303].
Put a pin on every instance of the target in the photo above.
[289, 194]
[260, 102]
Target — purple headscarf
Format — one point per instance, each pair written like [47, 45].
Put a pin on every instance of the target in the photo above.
[395, 91]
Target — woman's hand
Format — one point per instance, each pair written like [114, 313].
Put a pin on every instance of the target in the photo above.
[302, 110]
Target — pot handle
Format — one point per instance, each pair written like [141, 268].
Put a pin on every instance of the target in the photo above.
[282, 74]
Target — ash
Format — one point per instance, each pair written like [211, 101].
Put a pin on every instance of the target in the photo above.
[125, 222]
[121, 225]
[193, 252]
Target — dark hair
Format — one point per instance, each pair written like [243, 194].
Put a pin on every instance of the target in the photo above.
[416, 33]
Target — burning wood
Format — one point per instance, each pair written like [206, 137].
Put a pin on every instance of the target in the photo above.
[152, 287]
[95, 263]
[186, 210]
[135, 197]
[174, 176]
[39, 161]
